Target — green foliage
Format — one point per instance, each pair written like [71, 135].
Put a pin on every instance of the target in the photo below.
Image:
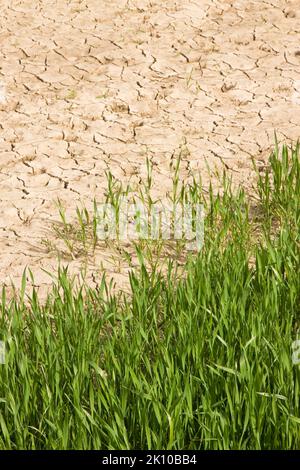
[200, 360]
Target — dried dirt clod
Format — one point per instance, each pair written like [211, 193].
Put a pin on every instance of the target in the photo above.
[228, 86]
[119, 108]
[288, 13]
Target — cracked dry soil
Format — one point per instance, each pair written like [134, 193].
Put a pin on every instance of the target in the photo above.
[87, 86]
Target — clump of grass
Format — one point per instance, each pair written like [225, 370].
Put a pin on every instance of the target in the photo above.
[71, 95]
[78, 238]
[201, 361]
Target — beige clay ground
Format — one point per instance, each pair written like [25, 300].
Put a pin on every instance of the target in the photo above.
[93, 85]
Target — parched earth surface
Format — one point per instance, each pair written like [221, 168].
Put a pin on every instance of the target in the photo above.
[96, 85]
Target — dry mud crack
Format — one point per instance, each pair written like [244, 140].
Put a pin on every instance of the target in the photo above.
[87, 86]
